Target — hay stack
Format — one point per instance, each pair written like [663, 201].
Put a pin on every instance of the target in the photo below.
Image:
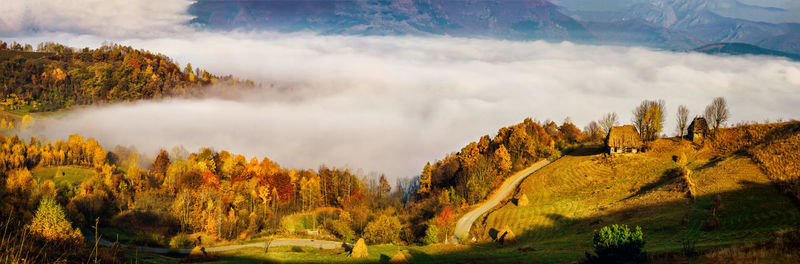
[507, 237]
[197, 251]
[684, 182]
[399, 258]
[682, 159]
[359, 250]
[522, 201]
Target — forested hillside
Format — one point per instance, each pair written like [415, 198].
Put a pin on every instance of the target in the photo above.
[215, 193]
[481, 166]
[54, 76]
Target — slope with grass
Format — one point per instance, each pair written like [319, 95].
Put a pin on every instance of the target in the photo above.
[63, 175]
[585, 190]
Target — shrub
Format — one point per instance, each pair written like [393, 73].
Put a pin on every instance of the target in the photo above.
[340, 229]
[431, 235]
[288, 225]
[147, 239]
[180, 240]
[385, 229]
[618, 244]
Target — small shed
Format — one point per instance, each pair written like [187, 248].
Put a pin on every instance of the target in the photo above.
[698, 130]
[623, 139]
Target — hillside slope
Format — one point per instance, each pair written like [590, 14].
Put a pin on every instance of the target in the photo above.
[585, 190]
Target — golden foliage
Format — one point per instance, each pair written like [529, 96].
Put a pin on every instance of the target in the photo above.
[50, 223]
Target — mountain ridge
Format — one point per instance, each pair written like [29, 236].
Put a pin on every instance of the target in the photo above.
[665, 24]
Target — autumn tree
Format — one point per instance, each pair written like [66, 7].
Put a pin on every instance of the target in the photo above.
[569, 131]
[27, 122]
[384, 229]
[648, 118]
[310, 193]
[608, 121]
[682, 119]
[161, 164]
[51, 223]
[502, 159]
[717, 113]
[593, 131]
[384, 187]
[445, 221]
[425, 180]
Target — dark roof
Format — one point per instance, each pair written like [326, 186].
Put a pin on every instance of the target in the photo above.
[699, 125]
[624, 137]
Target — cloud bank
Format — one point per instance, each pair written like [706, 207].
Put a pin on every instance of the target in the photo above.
[390, 104]
[109, 18]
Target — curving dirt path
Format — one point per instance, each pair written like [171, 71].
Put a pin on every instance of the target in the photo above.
[465, 223]
[314, 243]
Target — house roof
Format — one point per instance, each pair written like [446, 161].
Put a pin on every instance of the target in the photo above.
[698, 125]
[624, 137]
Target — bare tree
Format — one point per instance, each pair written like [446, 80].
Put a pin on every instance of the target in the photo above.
[608, 121]
[593, 131]
[648, 118]
[682, 119]
[717, 112]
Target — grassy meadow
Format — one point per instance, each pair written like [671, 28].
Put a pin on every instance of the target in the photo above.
[586, 190]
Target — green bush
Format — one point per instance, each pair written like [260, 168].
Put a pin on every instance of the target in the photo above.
[385, 229]
[180, 240]
[340, 229]
[147, 239]
[296, 249]
[617, 244]
[431, 235]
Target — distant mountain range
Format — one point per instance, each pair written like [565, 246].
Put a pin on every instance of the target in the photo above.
[743, 49]
[664, 24]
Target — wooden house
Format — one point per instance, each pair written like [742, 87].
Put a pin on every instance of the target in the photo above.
[698, 130]
[623, 139]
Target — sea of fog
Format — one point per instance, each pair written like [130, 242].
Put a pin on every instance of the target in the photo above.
[390, 104]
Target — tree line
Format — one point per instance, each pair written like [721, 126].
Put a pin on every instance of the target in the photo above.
[55, 76]
[214, 192]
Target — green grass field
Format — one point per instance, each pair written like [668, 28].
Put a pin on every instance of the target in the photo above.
[579, 193]
[63, 175]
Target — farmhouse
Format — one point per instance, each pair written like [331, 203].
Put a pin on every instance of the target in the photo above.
[623, 139]
[698, 130]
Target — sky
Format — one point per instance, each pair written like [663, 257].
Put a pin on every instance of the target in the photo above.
[387, 104]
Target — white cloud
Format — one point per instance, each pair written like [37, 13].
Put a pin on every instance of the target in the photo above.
[390, 104]
[110, 18]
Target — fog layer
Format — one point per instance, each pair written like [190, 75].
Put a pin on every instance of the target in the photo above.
[390, 104]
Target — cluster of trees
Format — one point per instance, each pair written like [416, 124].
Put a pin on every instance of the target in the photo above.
[481, 166]
[62, 76]
[649, 117]
[218, 193]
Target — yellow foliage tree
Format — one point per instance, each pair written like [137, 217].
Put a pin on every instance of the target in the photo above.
[50, 223]
[27, 121]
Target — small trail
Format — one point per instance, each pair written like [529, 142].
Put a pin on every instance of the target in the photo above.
[313, 243]
[465, 223]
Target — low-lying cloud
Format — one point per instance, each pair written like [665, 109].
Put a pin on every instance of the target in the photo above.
[110, 18]
[390, 104]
